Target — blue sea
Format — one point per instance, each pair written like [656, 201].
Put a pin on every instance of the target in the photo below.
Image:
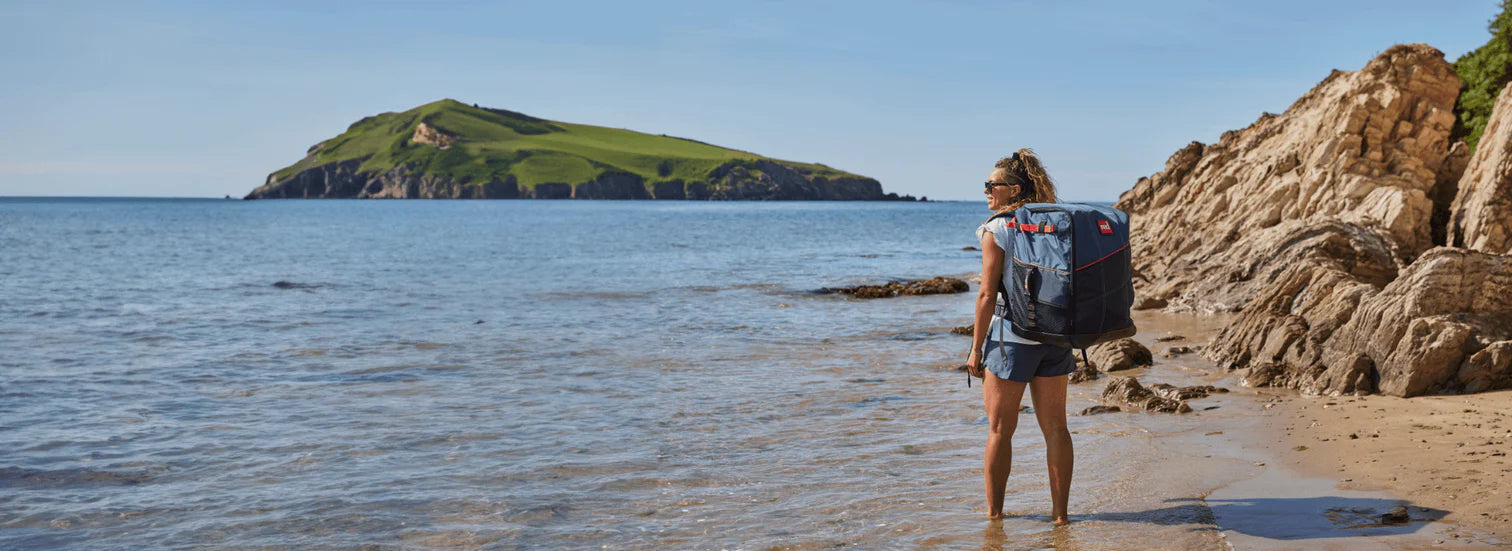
[188, 374]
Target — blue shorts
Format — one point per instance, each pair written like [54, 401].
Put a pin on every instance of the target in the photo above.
[1023, 362]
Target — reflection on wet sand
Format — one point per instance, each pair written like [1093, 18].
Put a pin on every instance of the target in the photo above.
[1060, 538]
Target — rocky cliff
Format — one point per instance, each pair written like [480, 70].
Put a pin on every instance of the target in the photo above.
[1324, 228]
[449, 150]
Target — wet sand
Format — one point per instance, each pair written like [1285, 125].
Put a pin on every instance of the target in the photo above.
[1235, 459]
[1443, 452]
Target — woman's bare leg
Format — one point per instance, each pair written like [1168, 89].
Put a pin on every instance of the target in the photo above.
[1049, 396]
[1001, 397]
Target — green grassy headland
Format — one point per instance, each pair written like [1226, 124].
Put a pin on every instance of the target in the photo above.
[494, 144]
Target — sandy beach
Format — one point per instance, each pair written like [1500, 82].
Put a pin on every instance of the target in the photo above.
[1443, 452]
[1278, 470]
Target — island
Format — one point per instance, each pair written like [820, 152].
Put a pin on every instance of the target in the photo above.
[452, 150]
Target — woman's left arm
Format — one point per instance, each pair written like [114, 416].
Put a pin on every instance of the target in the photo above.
[992, 272]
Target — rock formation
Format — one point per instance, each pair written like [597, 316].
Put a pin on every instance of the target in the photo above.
[430, 135]
[1319, 225]
[1362, 149]
[1482, 211]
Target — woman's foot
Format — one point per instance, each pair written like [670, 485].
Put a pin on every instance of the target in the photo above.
[1060, 520]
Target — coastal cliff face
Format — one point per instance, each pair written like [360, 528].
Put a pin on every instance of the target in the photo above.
[450, 150]
[1482, 211]
[1323, 228]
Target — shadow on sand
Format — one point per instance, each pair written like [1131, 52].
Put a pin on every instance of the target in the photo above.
[1282, 519]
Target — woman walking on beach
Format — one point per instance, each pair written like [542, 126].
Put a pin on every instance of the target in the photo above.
[1018, 362]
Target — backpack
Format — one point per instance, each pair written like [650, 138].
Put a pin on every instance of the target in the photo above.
[1068, 280]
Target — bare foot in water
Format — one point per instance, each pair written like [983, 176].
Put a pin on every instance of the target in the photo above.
[994, 516]
[1061, 521]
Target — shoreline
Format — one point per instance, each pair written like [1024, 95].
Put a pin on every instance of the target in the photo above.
[1265, 493]
[1446, 452]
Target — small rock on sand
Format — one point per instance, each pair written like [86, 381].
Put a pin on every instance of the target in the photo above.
[1094, 410]
[1397, 515]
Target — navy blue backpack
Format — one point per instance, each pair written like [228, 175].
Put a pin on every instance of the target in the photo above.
[1068, 281]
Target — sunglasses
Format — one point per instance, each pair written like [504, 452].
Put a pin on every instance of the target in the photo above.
[991, 185]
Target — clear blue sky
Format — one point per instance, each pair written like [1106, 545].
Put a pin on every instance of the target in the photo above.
[206, 98]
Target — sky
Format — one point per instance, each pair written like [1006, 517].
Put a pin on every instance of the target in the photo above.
[205, 99]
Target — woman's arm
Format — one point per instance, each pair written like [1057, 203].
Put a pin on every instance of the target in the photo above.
[992, 272]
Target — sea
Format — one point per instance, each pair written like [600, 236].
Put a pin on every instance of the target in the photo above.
[210, 374]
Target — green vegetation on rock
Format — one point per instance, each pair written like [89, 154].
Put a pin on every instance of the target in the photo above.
[1485, 71]
[494, 144]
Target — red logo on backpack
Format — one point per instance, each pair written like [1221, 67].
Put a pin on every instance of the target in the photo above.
[1105, 227]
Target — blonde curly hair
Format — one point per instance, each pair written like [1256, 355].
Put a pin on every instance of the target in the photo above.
[1025, 170]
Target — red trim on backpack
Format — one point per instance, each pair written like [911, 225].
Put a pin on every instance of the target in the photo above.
[1049, 228]
[1012, 223]
[1029, 227]
[1105, 257]
[1105, 227]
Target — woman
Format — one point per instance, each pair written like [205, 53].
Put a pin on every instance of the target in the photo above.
[1018, 362]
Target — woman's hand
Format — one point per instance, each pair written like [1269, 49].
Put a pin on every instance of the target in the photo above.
[974, 364]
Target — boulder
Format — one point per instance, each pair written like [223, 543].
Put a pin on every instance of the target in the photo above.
[1120, 355]
[1488, 369]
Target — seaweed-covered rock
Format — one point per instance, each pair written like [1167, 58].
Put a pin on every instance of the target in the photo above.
[932, 286]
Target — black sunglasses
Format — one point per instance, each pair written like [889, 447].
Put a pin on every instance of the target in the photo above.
[991, 184]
